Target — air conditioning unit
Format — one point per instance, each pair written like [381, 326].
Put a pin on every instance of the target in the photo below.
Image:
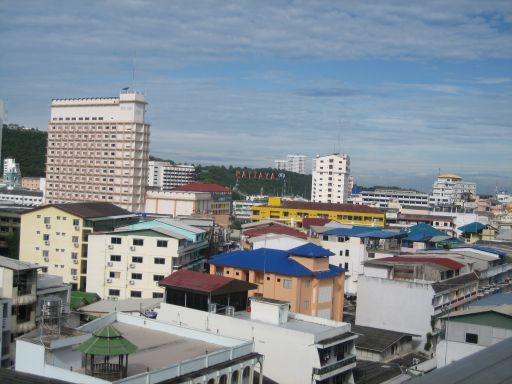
[75, 277]
[132, 282]
[230, 311]
[75, 261]
[212, 307]
[46, 259]
[110, 246]
[132, 266]
[76, 245]
[48, 226]
[132, 248]
[110, 264]
[46, 242]
[109, 281]
[77, 227]
[113, 298]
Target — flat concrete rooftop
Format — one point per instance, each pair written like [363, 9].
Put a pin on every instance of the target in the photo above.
[158, 350]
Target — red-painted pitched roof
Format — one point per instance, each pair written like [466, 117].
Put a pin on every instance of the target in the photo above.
[442, 261]
[196, 281]
[307, 222]
[276, 229]
[202, 187]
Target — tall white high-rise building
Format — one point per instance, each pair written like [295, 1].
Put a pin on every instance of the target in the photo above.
[330, 181]
[98, 150]
[293, 163]
[450, 190]
[3, 120]
[167, 176]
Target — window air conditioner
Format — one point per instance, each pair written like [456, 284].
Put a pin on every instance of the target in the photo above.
[110, 246]
[132, 266]
[132, 282]
[110, 264]
[75, 261]
[132, 248]
[109, 281]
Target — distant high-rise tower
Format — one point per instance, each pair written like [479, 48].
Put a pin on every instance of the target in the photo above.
[98, 150]
[3, 120]
[330, 182]
[293, 163]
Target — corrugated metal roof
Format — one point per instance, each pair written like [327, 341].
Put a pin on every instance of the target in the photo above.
[474, 227]
[204, 282]
[458, 281]
[370, 232]
[202, 187]
[275, 229]
[88, 210]
[16, 265]
[442, 261]
[272, 261]
[310, 250]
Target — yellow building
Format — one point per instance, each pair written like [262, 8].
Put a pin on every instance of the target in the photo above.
[55, 236]
[292, 212]
[301, 276]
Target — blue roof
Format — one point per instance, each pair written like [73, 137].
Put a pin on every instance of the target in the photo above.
[371, 232]
[474, 227]
[496, 299]
[422, 232]
[310, 250]
[270, 260]
[482, 248]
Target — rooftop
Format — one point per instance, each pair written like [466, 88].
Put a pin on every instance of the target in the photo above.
[88, 210]
[16, 265]
[274, 229]
[496, 299]
[505, 309]
[474, 227]
[21, 191]
[328, 207]
[15, 377]
[376, 339]
[307, 222]
[204, 282]
[454, 282]
[202, 187]
[369, 232]
[127, 305]
[310, 250]
[441, 261]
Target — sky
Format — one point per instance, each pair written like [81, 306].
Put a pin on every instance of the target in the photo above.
[407, 89]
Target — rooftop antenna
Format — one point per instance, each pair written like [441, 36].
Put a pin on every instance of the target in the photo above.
[133, 67]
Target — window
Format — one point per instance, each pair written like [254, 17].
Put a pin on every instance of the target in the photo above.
[46, 253]
[114, 292]
[139, 242]
[74, 239]
[346, 252]
[471, 338]
[135, 294]
[325, 238]
[306, 304]
[158, 277]
[115, 240]
[46, 237]
[346, 267]
[161, 243]
[137, 276]
[287, 283]
[341, 239]
[114, 275]
[136, 259]
[76, 222]
[115, 257]
[74, 255]
[73, 272]
[159, 260]
[307, 283]
[47, 220]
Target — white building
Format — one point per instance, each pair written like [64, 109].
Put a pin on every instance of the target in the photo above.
[450, 190]
[164, 353]
[12, 173]
[353, 246]
[330, 182]
[242, 209]
[293, 163]
[276, 241]
[504, 197]
[24, 197]
[178, 203]
[297, 348]
[381, 198]
[130, 261]
[3, 120]
[167, 176]
[98, 150]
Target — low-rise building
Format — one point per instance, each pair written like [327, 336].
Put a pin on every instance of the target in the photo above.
[166, 176]
[473, 232]
[442, 223]
[301, 276]
[10, 222]
[265, 230]
[351, 247]
[55, 236]
[293, 212]
[5, 332]
[242, 209]
[221, 199]
[21, 196]
[130, 261]
[450, 190]
[297, 348]
[178, 203]
[382, 197]
[34, 183]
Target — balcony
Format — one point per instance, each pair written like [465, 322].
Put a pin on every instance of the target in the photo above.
[322, 373]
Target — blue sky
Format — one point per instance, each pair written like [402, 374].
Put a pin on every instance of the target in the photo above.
[407, 87]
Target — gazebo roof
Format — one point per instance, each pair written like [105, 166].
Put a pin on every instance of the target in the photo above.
[107, 341]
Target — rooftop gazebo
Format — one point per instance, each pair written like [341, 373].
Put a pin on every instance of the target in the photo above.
[101, 351]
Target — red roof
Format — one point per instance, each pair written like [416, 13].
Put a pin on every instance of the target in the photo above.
[196, 281]
[202, 187]
[276, 229]
[328, 207]
[442, 261]
[307, 222]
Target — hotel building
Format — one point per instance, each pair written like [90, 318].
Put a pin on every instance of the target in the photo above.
[330, 182]
[166, 176]
[98, 150]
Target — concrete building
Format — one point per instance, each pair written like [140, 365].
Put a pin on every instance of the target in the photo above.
[301, 276]
[5, 333]
[265, 231]
[450, 190]
[472, 330]
[220, 196]
[330, 183]
[351, 247]
[297, 348]
[153, 352]
[474, 232]
[381, 198]
[410, 294]
[130, 261]
[20, 196]
[10, 219]
[35, 183]
[242, 209]
[3, 120]
[98, 150]
[55, 236]
[293, 163]
[167, 176]
[12, 173]
[293, 212]
[178, 203]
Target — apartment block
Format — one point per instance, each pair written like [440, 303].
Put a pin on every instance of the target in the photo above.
[55, 236]
[330, 182]
[293, 163]
[382, 197]
[98, 150]
[5, 332]
[178, 203]
[130, 262]
[301, 276]
[450, 190]
[167, 176]
[221, 196]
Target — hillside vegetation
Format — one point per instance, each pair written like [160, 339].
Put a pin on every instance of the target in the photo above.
[27, 146]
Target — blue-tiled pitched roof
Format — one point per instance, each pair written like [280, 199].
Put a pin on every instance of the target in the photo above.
[375, 233]
[474, 227]
[310, 250]
[422, 232]
[270, 260]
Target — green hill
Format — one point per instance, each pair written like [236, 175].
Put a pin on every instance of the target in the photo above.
[27, 146]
